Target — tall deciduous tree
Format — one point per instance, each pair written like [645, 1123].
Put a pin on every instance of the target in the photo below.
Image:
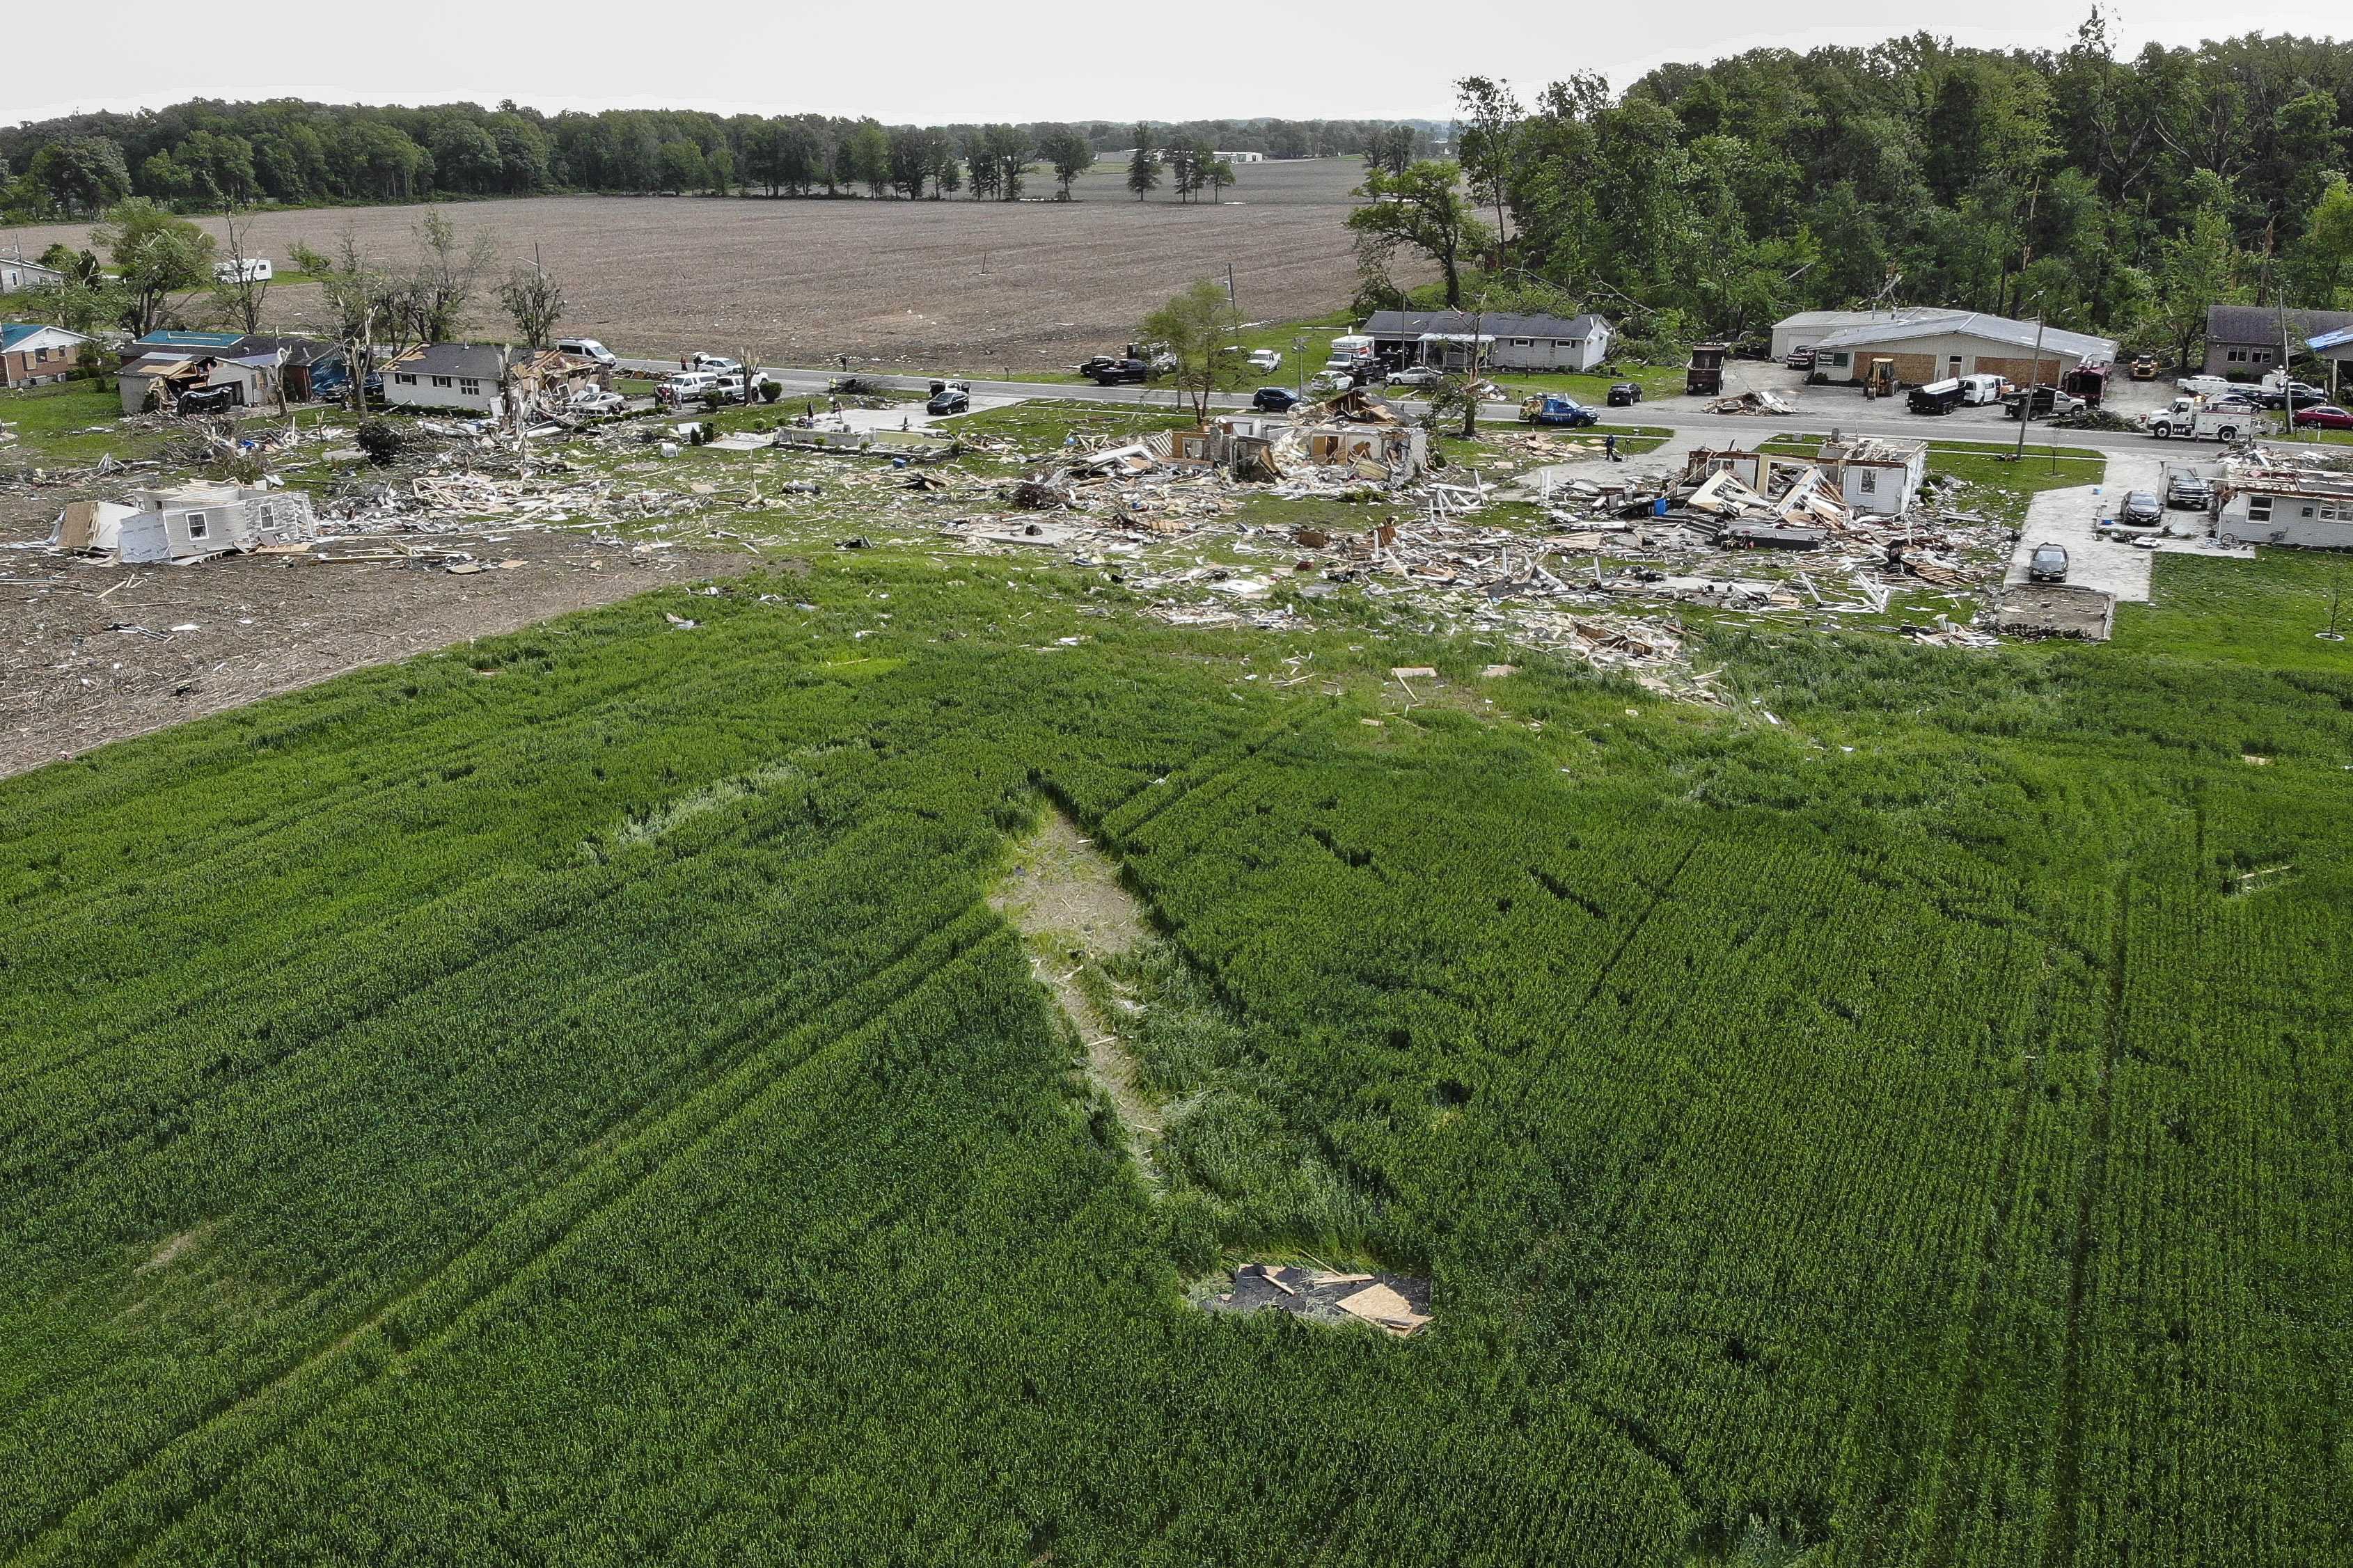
[1422, 209]
[1488, 114]
[1143, 165]
[156, 255]
[1068, 152]
[534, 301]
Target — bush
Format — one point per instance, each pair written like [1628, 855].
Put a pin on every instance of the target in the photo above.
[382, 440]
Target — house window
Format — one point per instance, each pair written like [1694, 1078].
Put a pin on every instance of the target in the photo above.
[40, 356]
[406, 380]
[1524, 342]
[1870, 480]
[2259, 509]
[2236, 356]
[471, 387]
[1839, 357]
[2263, 356]
[196, 529]
[2307, 514]
[441, 380]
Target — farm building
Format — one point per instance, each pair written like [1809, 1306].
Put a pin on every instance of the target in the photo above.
[31, 353]
[1807, 328]
[160, 381]
[16, 275]
[1448, 340]
[1875, 474]
[1940, 346]
[2272, 496]
[2243, 342]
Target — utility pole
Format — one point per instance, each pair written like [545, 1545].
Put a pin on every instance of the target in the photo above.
[2026, 408]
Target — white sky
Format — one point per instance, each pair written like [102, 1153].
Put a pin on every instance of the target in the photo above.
[925, 62]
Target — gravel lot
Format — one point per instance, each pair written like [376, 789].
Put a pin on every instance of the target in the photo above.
[977, 286]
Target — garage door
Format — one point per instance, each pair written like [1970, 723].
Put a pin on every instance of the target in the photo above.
[2020, 370]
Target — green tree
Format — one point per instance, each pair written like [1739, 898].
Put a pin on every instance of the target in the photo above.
[1488, 115]
[1422, 208]
[1197, 326]
[1143, 165]
[682, 168]
[2325, 254]
[84, 174]
[156, 255]
[2195, 267]
[1068, 152]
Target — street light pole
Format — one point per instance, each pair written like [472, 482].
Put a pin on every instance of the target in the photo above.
[2026, 406]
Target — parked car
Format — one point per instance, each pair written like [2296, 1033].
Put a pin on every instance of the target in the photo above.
[1112, 371]
[1625, 392]
[1414, 375]
[1557, 409]
[587, 348]
[2328, 416]
[1266, 360]
[593, 400]
[2047, 564]
[949, 397]
[686, 386]
[1276, 400]
[2189, 491]
[1331, 380]
[2305, 393]
[715, 364]
[2140, 509]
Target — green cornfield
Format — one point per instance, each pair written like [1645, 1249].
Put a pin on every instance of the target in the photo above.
[569, 1099]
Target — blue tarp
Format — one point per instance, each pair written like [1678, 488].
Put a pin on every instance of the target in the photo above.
[2340, 339]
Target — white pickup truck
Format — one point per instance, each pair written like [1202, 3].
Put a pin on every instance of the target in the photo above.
[2191, 418]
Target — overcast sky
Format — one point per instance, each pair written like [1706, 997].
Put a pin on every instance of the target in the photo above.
[922, 62]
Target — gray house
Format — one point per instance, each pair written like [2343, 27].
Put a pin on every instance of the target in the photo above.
[1455, 339]
[2243, 341]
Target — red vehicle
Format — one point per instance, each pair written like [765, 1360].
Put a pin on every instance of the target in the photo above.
[2328, 416]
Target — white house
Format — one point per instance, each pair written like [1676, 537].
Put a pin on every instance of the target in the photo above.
[16, 275]
[448, 376]
[1501, 339]
[188, 522]
[1876, 474]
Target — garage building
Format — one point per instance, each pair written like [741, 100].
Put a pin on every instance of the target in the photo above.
[1939, 347]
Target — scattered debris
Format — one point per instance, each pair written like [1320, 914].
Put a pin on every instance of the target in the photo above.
[1397, 1303]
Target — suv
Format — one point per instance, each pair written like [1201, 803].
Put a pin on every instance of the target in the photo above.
[2047, 564]
[1276, 400]
[949, 397]
[1112, 371]
[1623, 393]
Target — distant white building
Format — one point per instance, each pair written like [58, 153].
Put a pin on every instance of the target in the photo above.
[1501, 340]
[1243, 157]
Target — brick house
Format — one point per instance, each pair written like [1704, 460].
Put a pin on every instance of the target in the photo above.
[32, 354]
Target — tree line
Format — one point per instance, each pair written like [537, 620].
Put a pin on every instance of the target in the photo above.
[204, 153]
[2108, 195]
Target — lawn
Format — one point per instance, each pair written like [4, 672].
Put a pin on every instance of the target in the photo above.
[77, 422]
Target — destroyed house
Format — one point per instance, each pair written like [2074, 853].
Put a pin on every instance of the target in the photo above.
[1939, 346]
[307, 368]
[162, 382]
[1874, 474]
[189, 522]
[2274, 496]
[32, 354]
[1253, 447]
[179, 345]
[1465, 340]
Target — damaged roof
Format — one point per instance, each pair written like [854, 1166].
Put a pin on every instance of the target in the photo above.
[475, 362]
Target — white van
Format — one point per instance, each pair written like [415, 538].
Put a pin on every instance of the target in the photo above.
[252, 269]
[1978, 390]
[587, 348]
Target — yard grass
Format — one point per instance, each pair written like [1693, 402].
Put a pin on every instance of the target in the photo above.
[2262, 613]
[78, 422]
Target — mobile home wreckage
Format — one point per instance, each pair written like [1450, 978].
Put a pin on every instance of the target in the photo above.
[2278, 495]
[189, 523]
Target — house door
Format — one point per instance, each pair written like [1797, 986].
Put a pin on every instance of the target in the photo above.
[1953, 367]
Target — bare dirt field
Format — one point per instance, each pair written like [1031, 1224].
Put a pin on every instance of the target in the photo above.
[982, 286]
[209, 637]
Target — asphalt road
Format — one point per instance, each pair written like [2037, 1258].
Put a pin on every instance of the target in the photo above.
[1820, 410]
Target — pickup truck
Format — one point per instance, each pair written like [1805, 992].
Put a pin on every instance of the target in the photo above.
[2047, 400]
[1553, 408]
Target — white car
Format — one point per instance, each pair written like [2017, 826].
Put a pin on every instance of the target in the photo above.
[591, 400]
[1266, 359]
[717, 364]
